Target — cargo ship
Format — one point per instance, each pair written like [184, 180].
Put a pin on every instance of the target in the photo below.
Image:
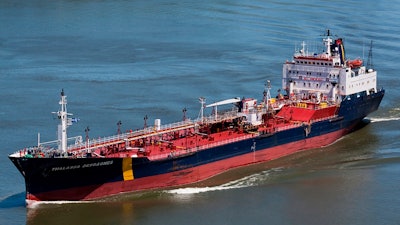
[324, 97]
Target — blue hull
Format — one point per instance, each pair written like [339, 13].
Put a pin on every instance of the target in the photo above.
[352, 111]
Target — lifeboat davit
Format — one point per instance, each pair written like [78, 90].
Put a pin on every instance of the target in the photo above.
[355, 63]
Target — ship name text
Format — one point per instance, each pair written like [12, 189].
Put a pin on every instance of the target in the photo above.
[87, 165]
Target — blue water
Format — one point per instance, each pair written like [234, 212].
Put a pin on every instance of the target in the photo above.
[122, 60]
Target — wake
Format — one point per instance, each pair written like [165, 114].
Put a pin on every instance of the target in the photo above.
[386, 119]
[31, 204]
[12, 200]
[248, 181]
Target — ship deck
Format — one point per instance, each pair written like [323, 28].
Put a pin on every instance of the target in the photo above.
[185, 137]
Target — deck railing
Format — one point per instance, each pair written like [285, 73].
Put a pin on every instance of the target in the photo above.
[129, 136]
[149, 131]
[199, 148]
[89, 146]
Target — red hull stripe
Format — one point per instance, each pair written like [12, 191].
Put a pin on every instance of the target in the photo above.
[185, 176]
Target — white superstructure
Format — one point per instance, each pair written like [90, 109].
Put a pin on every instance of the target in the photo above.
[326, 76]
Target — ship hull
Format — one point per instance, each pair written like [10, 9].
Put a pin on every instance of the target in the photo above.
[50, 179]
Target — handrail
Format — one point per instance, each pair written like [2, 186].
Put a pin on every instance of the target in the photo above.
[198, 148]
[83, 147]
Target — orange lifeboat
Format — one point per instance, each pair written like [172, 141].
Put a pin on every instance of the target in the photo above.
[355, 63]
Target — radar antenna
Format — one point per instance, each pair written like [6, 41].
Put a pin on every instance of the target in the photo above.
[184, 110]
[119, 123]
[370, 64]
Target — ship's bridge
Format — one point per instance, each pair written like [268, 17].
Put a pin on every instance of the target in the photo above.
[304, 81]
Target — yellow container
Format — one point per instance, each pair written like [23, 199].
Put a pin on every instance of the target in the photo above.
[272, 100]
[301, 105]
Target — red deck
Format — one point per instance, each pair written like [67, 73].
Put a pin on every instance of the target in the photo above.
[182, 140]
[307, 113]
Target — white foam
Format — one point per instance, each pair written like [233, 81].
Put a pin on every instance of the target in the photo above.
[34, 204]
[2, 198]
[244, 182]
[196, 190]
[375, 120]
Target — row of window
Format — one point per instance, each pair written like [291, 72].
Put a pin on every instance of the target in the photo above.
[317, 85]
[310, 73]
[359, 84]
[309, 85]
[314, 63]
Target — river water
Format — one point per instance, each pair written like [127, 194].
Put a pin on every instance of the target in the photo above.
[122, 60]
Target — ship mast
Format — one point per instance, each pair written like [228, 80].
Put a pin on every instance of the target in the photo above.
[267, 93]
[370, 65]
[202, 101]
[62, 115]
[328, 42]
